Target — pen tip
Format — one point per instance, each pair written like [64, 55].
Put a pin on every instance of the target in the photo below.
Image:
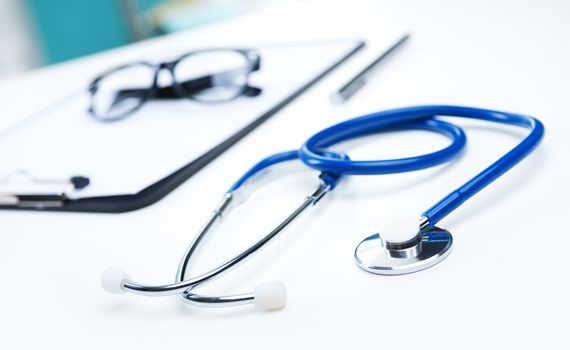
[337, 98]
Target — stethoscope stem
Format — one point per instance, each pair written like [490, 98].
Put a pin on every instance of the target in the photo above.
[424, 222]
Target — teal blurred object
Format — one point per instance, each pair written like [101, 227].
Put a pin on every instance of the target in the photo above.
[198, 14]
[68, 29]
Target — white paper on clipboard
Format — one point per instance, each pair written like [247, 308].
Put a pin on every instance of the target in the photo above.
[126, 156]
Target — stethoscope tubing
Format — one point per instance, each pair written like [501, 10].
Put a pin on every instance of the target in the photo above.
[313, 153]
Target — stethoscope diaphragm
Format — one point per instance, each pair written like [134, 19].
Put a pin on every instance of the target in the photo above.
[403, 247]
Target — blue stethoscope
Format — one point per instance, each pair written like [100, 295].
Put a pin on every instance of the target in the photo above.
[403, 246]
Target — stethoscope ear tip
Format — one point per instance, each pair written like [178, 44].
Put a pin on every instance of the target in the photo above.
[270, 296]
[112, 280]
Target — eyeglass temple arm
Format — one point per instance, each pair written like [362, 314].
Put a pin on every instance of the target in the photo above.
[167, 92]
[191, 87]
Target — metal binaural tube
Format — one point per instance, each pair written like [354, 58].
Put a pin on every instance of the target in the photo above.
[182, 286]
[218, 301]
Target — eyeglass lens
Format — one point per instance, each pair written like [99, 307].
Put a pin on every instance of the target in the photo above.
[212, 76]
[122, 91]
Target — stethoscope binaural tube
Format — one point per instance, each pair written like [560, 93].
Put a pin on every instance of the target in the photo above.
[267, 296]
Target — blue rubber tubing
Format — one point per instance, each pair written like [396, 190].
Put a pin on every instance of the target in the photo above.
[314, 152]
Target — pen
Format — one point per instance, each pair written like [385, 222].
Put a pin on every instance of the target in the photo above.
[350, 88]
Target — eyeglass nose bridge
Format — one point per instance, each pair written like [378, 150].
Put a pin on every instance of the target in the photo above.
[168, 66]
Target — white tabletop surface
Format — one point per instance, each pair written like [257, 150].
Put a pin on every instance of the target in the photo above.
[506, 284]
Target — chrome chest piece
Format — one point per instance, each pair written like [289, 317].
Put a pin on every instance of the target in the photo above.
[402, 247]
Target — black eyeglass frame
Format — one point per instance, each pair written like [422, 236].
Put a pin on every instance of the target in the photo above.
[252, 57]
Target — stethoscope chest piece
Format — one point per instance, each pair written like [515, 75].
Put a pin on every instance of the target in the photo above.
[403, 247]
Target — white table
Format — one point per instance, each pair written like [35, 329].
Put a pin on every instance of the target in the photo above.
[505, 284]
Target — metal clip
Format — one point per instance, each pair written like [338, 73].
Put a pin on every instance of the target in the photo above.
[40, 201]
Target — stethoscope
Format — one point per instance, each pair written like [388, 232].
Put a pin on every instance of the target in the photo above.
[403, 246]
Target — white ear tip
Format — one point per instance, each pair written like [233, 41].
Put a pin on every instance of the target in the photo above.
[112, 280]
[270, 296]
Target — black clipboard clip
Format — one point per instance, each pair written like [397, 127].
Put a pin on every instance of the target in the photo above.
[41, 201]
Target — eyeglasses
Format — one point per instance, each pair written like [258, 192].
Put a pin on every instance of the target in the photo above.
[209, 76]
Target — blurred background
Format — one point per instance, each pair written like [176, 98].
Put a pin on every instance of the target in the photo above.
[34, 33]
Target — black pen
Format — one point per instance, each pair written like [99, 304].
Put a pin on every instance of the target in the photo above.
[350, 88]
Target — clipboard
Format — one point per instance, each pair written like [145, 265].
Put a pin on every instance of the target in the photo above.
[124, 202]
